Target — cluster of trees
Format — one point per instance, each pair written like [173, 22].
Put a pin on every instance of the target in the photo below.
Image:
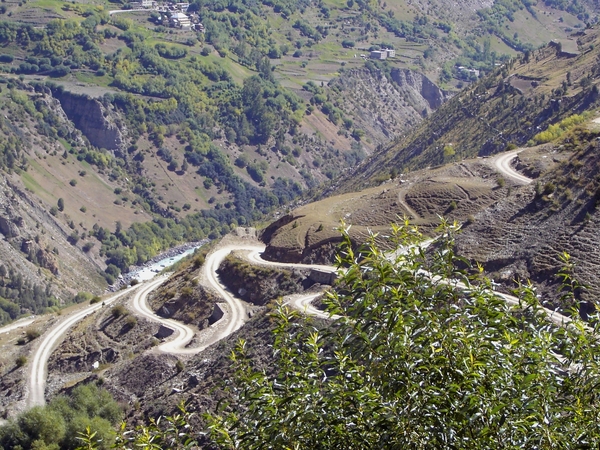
[328, 102]
[572, 6]
[61, 46]
[61, 423]
[495, 17]
[556, 130]
[19, 295]
[142, 241]
[266, 108]
[170, 51]
[11, 147]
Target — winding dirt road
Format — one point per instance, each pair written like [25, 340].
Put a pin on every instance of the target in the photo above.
[502, 163]
[236, 312]
[39, 362]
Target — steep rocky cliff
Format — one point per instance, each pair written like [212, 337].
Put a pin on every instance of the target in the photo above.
[93, 119]
[418, 88]
[385, 105]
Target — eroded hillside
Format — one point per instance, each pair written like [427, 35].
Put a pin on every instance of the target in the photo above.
[507, 109]
[456, 191]
[523, 236]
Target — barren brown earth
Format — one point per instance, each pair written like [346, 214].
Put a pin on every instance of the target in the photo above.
[517, 232]
[456, 191]
[522, 236]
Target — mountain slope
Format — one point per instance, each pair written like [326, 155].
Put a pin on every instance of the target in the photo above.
[523, 236]
[508, 108]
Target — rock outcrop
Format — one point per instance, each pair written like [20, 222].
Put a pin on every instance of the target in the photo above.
[419, 88]
[387, 105]
[259, 284]
[8, 228]
[39, 256]
[93, 120]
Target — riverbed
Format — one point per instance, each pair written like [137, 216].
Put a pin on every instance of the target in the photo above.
[161, 262]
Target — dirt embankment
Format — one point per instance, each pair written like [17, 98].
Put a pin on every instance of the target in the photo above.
[182, 298]
[113, 334]
[522, 236]
[154, 384]
[310, 234]
[259, 285]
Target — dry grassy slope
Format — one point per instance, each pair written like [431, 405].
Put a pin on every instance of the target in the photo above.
[310, 233]
[64, 267]
[52, 173]
[522, 236]
[493, 113]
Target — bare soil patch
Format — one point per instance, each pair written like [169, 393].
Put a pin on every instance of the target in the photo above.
[456, 191]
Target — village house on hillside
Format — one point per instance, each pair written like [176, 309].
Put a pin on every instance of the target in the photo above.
[180, 20]
[383, 54]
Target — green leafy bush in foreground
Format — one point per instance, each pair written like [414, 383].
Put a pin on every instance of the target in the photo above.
[416, 362]
[59, 424]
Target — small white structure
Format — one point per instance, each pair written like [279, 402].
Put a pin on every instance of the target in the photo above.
[391, 53]
[379, 54]
[183, 7]
[467, 71]
[143, 4]
[180, 20]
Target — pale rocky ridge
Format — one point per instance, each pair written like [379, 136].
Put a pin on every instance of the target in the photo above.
[387, 106]
[93, 119]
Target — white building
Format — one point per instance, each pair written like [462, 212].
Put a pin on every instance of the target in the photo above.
[143, 4]
[180, 20]
[379, 54]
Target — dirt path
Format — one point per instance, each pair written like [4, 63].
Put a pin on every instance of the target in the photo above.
[235, 311]
[409, 210]
[502, 163]
[38, 372]
[18, 324]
